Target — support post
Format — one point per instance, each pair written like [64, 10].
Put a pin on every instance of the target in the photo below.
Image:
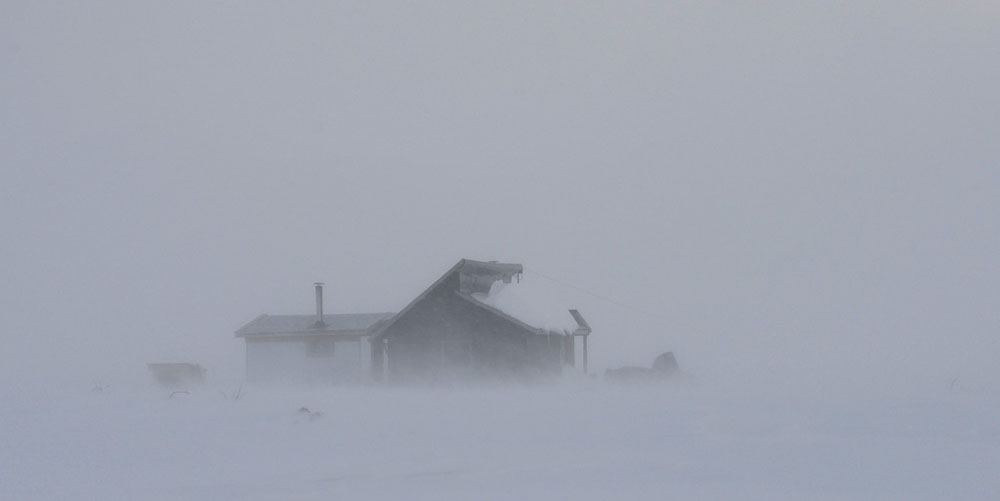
[584, 330]
[319, 304]
[377, 354]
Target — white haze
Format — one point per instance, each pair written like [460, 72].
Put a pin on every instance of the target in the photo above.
[797, 198]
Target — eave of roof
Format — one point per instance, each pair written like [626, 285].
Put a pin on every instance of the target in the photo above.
[304, 325]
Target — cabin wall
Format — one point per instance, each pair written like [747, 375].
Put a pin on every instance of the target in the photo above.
[303, 361]
[445, 338]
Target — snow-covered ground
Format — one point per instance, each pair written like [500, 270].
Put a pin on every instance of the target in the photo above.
[576, 440]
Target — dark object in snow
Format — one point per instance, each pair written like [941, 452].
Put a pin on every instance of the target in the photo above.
[312, 415]
[177, 375]
[665, 364]
[664, 367]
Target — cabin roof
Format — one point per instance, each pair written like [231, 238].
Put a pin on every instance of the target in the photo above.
[473, 276]
[475, 281]
[500, 313]
[341, 323]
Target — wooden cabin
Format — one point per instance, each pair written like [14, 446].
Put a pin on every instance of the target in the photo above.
[450, 333]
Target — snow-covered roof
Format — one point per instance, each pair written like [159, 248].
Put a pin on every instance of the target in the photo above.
[491, 285]
[529, 304]
[342, 323]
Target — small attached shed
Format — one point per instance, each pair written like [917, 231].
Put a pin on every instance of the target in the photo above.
[311, 349]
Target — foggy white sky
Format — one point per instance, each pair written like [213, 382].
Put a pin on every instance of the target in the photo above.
[793, 188]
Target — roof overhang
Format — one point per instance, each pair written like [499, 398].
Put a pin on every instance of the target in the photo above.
[583, 328]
